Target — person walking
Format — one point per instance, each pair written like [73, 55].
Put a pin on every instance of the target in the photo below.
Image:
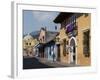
[53, 57]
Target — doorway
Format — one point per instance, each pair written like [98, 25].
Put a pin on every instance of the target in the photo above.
[72, 50]
[58, 51]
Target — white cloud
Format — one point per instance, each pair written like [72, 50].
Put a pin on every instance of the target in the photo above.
[43, 16]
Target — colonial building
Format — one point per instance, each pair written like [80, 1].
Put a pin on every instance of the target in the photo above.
[28, 45]
[47, 47]
[73, 40]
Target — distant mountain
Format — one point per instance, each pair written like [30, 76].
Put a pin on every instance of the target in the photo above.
[35, 34]
[50, 35]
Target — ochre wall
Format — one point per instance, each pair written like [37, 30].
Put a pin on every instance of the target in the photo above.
[62, 35]
[84, 23]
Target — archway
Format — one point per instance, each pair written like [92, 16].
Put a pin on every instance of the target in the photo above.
[73, 50]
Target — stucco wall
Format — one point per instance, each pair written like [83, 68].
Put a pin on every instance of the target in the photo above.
[84, 23]
[62, 35]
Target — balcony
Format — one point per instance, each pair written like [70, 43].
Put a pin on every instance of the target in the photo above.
[72, 29]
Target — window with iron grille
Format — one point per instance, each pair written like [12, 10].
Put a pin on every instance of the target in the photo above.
[67, 47]
[86, 43]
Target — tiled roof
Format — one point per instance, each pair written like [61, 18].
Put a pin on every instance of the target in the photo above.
[35, 34]
[50, 35]
[62, 16]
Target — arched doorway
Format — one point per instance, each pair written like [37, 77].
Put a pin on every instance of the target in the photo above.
[72, 50]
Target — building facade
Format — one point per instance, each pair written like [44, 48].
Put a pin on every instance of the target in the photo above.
[73, 40]
[28, 45]
[47, 47]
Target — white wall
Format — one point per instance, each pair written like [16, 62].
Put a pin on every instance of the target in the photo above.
[5, 38]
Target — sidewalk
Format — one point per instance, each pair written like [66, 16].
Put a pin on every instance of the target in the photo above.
[55, 63]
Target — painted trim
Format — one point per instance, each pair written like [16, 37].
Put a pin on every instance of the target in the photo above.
[76, 49]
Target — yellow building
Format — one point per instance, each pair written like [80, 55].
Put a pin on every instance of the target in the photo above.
[73, 40]
[28, 45]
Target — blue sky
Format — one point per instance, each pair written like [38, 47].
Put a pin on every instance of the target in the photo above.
[34, 20]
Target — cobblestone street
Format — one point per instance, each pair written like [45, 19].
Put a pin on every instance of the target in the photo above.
[55, 63]
[37, 63]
